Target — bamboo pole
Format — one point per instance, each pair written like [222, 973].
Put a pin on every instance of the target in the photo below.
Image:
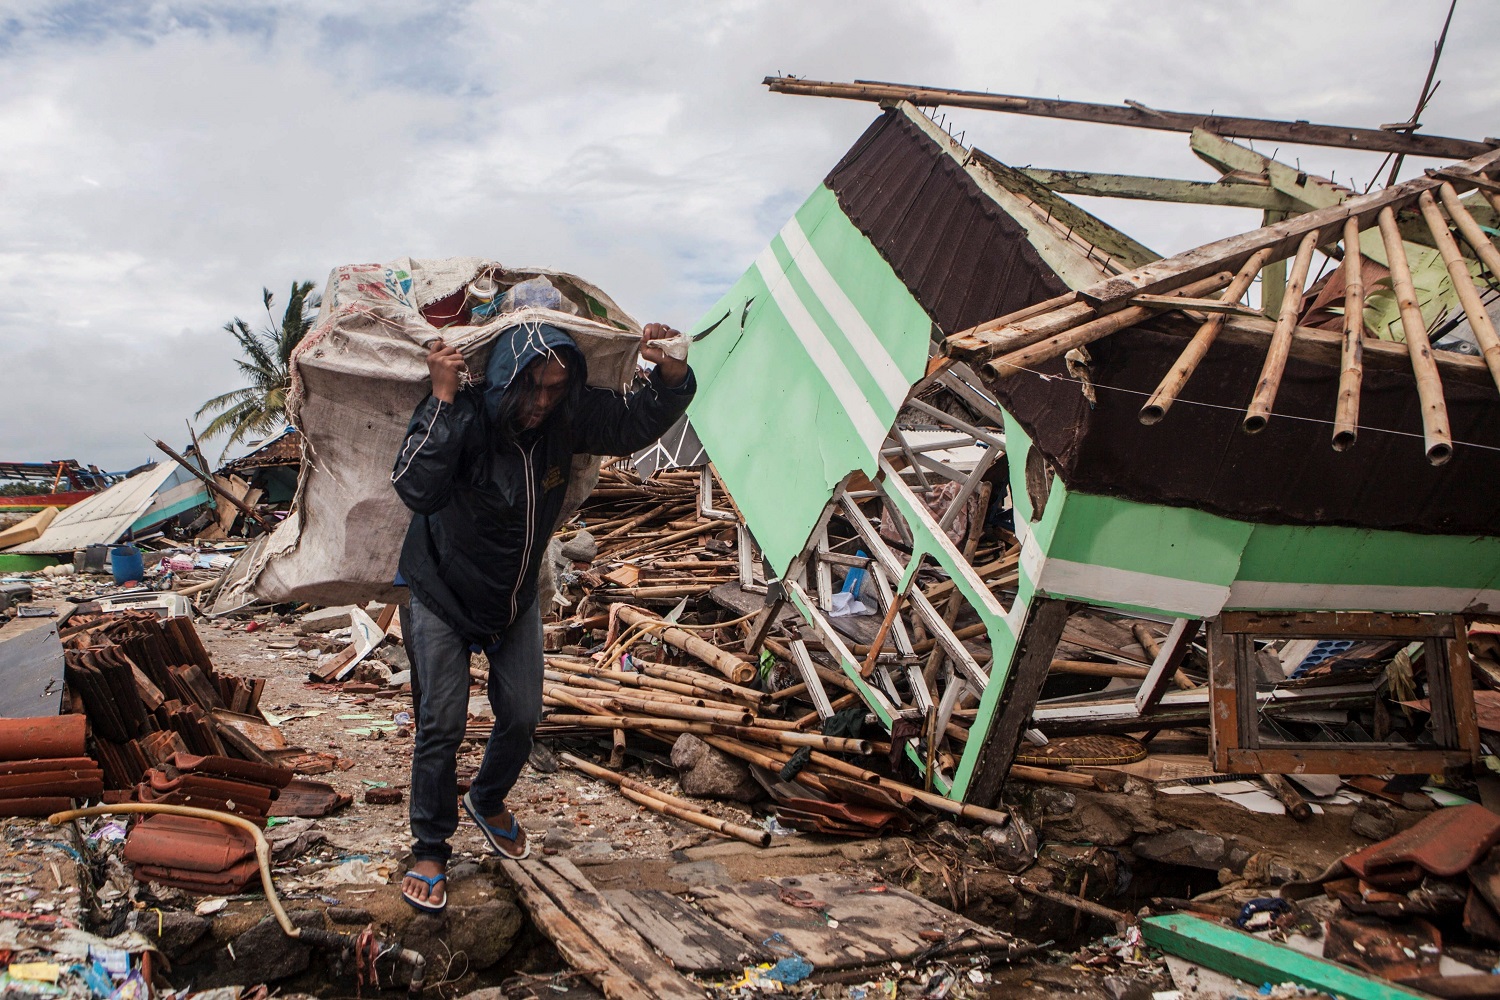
[1352, 372]
[592, 687]
[1052, 776]
[1435, 436]
[1047, 306]
[736, 669]
[617, 746]
[1208, 331]
[637, 521]
[1153, 649]
[697, 678]
[1266, 387]
[672, 590]
[1470, 230]
[934, 801]
[868, 666]
[1463, 284]
[667, 804]
[641, 681]
[665, 709]
[813, 718]
[663, 540]
[1078, 336]
[589, 717]
[1091, 668]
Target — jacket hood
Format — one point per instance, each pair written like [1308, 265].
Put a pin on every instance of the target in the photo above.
[517, 347]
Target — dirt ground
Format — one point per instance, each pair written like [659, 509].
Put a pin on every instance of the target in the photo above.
[1085, 844]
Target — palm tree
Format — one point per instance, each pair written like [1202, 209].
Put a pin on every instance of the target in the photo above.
[260, 407]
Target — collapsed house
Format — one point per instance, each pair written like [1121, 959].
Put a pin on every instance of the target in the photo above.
[271, 468]
[928, 298]
[133, 508]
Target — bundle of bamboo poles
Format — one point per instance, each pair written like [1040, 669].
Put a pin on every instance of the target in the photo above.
[578, 696]
[1048, 330]
[652, 537]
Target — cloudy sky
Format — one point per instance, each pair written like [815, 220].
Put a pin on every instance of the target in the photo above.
[160, 162]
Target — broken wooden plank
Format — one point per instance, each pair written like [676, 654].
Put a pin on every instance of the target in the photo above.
[875, 924]
[1343, 136]
[1045, 621]
[687, 937]
[1099, 185]
[1257, 960]
[592, 936]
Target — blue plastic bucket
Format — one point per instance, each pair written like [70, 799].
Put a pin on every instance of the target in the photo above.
[126, 563]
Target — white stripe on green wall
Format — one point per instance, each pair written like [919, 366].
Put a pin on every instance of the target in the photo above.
[877, 358]
[825, 358]
[801, 369]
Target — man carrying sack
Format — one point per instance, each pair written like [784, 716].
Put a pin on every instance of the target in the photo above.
[484, 469]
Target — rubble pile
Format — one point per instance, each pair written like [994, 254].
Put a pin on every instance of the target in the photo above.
[647, 540]
[149, 690]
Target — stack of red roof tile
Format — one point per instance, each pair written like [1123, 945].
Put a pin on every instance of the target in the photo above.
[202, 855]
[44, 766]
[211, 782]
[198, 855]
[148, 687]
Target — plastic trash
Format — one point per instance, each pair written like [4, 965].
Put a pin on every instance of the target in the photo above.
[533, 293]
[845, 603]
[791, 970]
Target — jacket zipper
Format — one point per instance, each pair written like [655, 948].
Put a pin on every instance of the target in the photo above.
[515, 590]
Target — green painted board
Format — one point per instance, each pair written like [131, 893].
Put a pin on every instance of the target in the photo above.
[20, 563]
[801, 369]
[1257, 960]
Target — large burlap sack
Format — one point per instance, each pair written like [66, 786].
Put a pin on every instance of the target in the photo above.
[356, 378]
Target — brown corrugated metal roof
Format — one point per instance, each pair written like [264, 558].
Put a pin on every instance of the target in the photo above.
[284, 450]
[963, 258]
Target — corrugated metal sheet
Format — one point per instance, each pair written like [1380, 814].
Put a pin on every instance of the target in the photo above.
[963, 258]
[102, 518]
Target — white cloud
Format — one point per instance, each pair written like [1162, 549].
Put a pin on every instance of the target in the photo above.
[160, 162]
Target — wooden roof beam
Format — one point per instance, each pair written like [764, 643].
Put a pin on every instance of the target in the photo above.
[1283, 237]
[1137, 116]
[1306, 191]
[1232, 195]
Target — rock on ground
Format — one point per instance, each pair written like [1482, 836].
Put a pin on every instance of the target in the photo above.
[706, 772]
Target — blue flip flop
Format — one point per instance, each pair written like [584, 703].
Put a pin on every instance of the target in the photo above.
[495, 835]
[432, 883]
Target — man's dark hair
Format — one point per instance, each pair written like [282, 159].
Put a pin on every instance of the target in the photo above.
[506, 426]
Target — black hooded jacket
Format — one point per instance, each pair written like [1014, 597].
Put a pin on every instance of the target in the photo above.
[485, 502]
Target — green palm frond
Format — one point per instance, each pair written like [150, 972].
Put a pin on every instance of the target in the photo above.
[265, 364]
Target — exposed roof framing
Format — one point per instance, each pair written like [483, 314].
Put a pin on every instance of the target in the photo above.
[1049, 330]
[1138, 116]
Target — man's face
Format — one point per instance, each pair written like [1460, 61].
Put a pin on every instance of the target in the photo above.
[548, 381]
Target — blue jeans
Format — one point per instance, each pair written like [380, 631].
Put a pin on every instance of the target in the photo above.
[440, 665]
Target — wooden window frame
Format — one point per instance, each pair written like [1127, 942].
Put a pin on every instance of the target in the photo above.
[1237, 746]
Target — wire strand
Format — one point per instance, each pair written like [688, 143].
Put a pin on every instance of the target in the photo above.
[1233, 409]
